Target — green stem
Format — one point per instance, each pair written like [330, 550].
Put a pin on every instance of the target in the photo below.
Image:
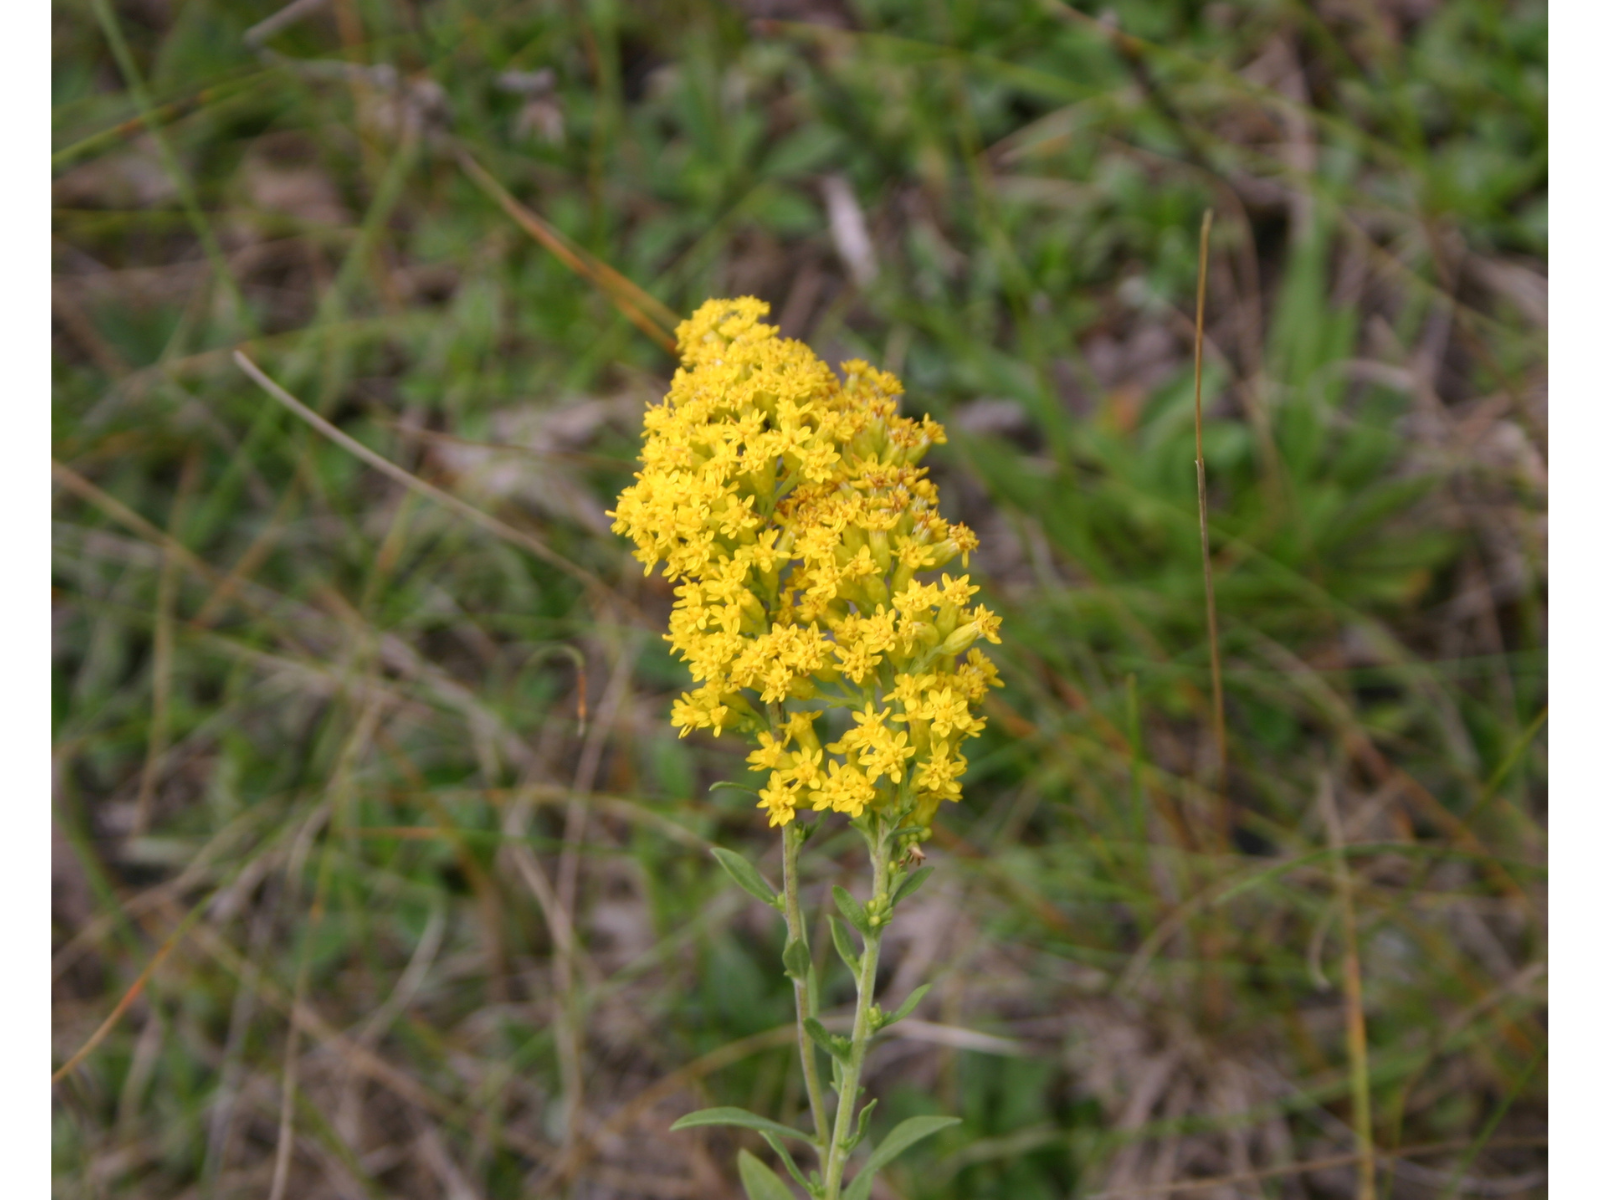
[804, 999]
[861, 1031]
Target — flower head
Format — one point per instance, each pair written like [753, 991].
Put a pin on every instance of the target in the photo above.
[788, 506]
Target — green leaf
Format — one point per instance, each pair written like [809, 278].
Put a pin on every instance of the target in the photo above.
[862, 1118]
[901, 1138]
[905, 1009]
[741, 1117]
[910, 883]
[759, 1181]
[784, 1157]
[803, 152]
[796, 959]
[831, 1042]
[737, 787]
[746, 876]
[853, 912]
[841, 943]
[861, 1186]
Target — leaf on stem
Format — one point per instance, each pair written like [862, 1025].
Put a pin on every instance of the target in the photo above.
[741, 1117]
[759, 1181]
[862, 1117]
[796, 960]
[906, 1008]
[746, 876]
[786, 1159]
[835, 1045]
[853, 912]
[841, 943]
[901, 1138]
[910, 883]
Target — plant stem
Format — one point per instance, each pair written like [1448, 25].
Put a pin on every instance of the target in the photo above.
[1219, 725]
[860, 1032]
[804, 999]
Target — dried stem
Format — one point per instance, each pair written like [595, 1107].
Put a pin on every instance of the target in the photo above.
[1355, 1021]
[569, 1031]
[1218, 720]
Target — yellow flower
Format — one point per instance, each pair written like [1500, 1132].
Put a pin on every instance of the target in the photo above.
[778, 799]
[786, 504]
[769, 755]
[845, 790]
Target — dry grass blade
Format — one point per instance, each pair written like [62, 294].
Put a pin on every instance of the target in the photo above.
[165, 115]
[128, 997]
[124, 515]
[1458, 1176]
[573, 1158]
[280, 20]
[355, 1056]
[477, 516]
[161, 666]
[283, 1156]
[1354, 1014]
[570, 1033]
[261, 546]
[198, 220]
[631, 300]
[339, 786]
[1219, 727]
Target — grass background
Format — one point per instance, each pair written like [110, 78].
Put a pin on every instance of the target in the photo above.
[370, 833]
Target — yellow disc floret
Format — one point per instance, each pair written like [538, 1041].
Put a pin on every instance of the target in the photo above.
[787, 505]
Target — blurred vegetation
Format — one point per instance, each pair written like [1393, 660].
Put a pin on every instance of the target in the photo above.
[371, 836]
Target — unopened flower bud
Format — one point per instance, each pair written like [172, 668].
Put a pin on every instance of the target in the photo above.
[882, 552]
[961, 639]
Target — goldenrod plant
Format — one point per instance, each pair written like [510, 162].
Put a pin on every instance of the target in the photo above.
[789, 507]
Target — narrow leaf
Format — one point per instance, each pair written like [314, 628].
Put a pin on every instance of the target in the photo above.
[861, 1186]
[841, 943]
[759, 1181]
[862, 1118]
[740, 1117]
[784, 1157]
[746, 876]
[831, 1042]
[901, 1138]
[853, 912]
[905, 1009]
[910, 883]
[796, 959]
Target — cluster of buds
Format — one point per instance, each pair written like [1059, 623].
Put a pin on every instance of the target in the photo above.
[788, 506]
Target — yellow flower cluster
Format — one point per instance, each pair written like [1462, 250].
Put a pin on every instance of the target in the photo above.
[789, 507]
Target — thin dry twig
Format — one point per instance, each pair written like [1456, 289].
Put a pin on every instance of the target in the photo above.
[638, 305]
[255, 554]
[583, 1146]
[338, 787]
[372, 458]
[161, 653]
[1218, 718]
[570, 1029]
[286, 16]
[120, 512]
[128, 997]
[1354, 1016]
